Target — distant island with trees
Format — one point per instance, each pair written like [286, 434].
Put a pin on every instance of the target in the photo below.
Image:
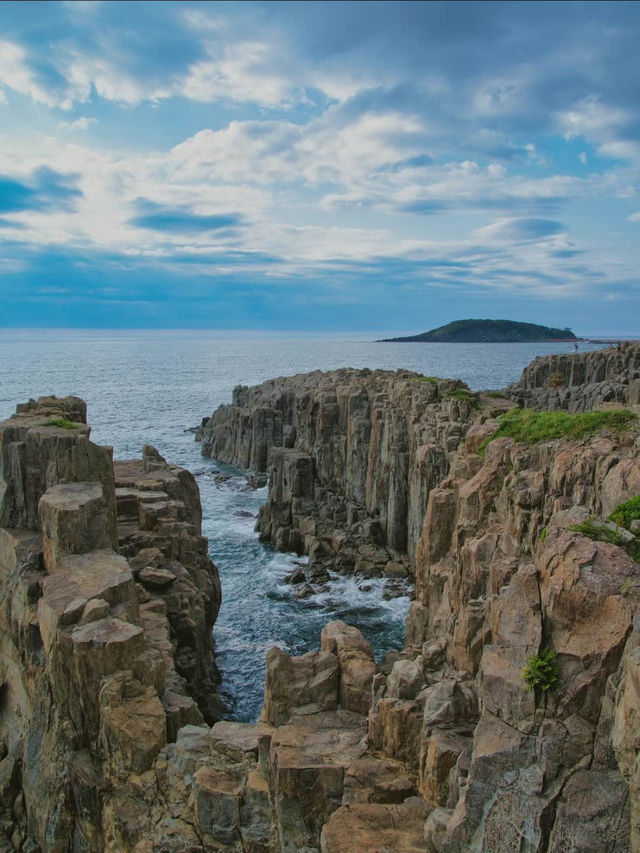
[488, 332]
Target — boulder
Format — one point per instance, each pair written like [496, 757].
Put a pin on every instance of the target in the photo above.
[75, 519]
[376, 828]
[357, 665]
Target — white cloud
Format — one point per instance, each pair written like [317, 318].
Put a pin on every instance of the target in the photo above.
[519, 229]
[16, 74]
[635, 217]
[582, 156]
[243, 72]
[82, 123]
[593, 119]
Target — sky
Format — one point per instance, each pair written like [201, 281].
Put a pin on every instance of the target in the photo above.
[319, 166]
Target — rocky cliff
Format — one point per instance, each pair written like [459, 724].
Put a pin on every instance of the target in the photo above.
[580, 381]
[351, 457]
[108, 599]
[509, 721]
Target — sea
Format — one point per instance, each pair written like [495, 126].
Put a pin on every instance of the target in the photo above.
[152, 387]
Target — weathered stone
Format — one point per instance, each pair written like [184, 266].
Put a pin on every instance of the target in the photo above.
[79, 578]
[94, 609]
[235, 740]
[299, 685]
[307, 762]
[357, 665]
[255, 814]
[592, 815]
[156, 578]
[75, 519]
[133, 728]
[217, 796]
[376, 828]
[377, 780]
[406, 680]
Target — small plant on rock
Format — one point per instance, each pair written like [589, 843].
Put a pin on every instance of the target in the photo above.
[464, 395]
[541, 671]
[626, 513]
[62, 423]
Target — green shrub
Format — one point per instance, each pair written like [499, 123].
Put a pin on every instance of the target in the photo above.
[626, 512]
[602, 533]
[541, 671]
[596, 532]
[543, 535]
[464, 395]
[63, 423]
[531, 426]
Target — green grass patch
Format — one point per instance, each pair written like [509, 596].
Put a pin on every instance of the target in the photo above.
[531, 426]
[596, 532]
[541, 671]
[496, 395]
[62, 423]
[601, 533]
[626, 512]
[543, 535]
[464, 395]
[433, 379]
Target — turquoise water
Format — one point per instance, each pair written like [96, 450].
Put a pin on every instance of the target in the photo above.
[150, 387]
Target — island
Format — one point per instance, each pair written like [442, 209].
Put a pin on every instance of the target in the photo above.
[487, 332]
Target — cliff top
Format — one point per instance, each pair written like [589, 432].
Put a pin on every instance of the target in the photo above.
[488, 331]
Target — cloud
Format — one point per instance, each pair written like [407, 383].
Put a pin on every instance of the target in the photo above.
[16, 73]
[82, 123]
[241, 72]
[635, 217]
[45, 190]
[350, 149]
[520, 230]
[179, 220]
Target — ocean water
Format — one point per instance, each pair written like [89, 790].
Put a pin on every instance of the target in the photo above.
[150, 387]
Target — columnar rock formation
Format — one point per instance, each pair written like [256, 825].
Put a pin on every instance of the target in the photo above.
[108, 599]
[580, 381]
[460, 753]
[351, 457]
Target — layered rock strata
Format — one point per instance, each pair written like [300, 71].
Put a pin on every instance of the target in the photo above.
[108, 598]
[580, 381]
[351, 457]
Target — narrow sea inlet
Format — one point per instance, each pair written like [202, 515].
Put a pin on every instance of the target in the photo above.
[173, 380]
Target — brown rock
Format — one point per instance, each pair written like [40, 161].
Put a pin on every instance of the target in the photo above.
[75, 519]
[376, 828]
[299, 685]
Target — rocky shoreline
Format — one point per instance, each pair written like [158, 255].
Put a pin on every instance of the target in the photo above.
[108, 599]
